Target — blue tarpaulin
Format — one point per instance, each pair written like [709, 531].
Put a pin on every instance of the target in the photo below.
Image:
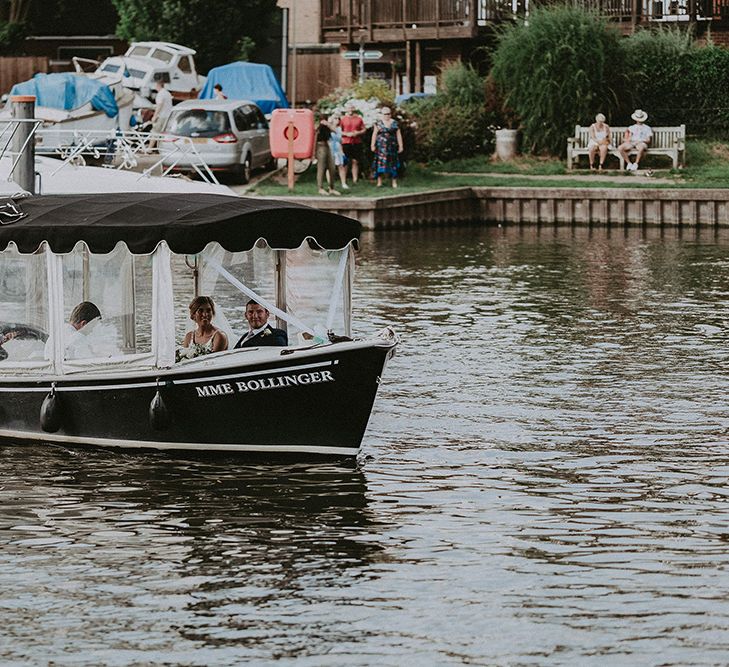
[247, 81]
[64, 90]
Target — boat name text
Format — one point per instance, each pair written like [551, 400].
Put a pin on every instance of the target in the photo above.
[278, 382]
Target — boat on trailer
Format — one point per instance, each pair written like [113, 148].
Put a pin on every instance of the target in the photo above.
[141, 258]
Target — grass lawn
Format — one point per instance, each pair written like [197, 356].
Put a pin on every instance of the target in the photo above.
[707, 167]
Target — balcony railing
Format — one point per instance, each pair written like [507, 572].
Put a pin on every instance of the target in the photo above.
[462, 18]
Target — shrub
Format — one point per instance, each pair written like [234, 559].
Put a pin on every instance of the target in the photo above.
[445, 131]
[559, 70]
[451, 123]
[462, 85]
[677, 82]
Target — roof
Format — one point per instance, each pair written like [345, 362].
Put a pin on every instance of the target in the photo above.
[250, 81]
[187, 222]
[170, 46]
[213, 105]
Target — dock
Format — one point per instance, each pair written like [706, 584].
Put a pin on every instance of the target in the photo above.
[568, 206]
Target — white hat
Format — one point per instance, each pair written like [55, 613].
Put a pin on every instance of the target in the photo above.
[639, 116]
[600, 118]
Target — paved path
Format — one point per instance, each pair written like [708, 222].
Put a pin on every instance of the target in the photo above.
[642, 176]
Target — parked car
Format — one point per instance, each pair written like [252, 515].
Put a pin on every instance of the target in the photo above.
[227, 135]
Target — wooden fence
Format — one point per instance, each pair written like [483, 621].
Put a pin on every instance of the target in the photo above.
[21, 68]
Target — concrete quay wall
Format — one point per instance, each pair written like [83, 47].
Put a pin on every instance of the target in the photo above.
[610, 206]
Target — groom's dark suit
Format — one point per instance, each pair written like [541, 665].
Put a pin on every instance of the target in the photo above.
[269, 336]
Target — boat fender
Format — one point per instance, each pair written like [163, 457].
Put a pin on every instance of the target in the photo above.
[51, 414]
[159, 417]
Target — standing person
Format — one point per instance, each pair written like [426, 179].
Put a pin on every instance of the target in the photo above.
[218, 92]
[386, 146]
[162, 109]
[324, 159]
[353, 128]
[335, 146]
[637, 136]
[600, 140]
[205, 338]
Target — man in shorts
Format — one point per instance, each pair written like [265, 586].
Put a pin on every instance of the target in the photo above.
[637, 137]
[353, 128]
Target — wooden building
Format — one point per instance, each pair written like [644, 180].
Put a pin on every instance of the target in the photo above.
[416, 36]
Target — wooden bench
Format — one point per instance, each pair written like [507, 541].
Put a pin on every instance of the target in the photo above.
[670, 141]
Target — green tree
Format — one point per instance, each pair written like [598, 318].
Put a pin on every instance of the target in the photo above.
[13, 25]
[558, 70]
[219, 30]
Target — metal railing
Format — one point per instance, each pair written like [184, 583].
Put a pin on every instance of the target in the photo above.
[114, 149]
[367, 15]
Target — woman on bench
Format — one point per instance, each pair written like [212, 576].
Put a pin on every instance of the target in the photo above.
[600, 139]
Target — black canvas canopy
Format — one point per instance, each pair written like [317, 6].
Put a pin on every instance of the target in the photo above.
[187, 222]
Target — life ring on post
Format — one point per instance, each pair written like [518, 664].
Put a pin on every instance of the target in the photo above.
[301, 121]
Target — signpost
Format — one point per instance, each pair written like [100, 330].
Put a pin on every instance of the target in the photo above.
[362, 55]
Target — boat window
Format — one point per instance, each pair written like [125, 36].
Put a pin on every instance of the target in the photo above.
[161, 54]
[315, 287]
[118, 287]
[24, 306]
[185, 64]
[136, 73]
[138, 51]
[219, 270]
[198, 123]
[110, 67]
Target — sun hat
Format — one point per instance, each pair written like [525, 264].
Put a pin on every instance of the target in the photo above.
[639, 116]
[600, 118]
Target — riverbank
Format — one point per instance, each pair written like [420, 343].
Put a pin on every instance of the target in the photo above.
[561, 205]
[534, 190]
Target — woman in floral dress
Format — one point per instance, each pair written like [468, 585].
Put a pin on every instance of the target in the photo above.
[386, 146]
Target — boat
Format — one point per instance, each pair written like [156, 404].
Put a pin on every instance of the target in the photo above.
[141, 257]
[144, 63]
[55, 177]
[72, 104]
[247, 81]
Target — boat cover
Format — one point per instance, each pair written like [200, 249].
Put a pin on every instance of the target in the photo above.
[247, 81]
[186, 222]
[67, 91]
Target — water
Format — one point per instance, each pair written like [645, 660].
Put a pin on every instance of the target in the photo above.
[544, 482]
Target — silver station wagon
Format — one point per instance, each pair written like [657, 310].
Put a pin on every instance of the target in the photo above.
[226, 135]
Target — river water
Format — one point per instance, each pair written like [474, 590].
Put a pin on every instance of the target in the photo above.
[543, 482]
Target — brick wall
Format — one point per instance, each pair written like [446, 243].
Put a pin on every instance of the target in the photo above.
[306, 30]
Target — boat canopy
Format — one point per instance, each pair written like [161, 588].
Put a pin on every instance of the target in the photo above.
[137, 260]
[185, 222]
[247, 81]
[67, 91]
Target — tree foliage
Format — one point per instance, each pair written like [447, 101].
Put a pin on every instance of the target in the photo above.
[219, 30]
[559, 70]
[678, 81]
[451, 124]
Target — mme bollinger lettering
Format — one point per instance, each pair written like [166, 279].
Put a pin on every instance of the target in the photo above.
[239, 387]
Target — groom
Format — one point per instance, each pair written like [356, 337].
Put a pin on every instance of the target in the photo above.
[260, 332]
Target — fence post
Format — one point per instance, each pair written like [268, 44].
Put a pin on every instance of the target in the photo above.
[23, 145]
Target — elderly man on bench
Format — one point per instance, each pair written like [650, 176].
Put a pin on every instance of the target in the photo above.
[637, 137]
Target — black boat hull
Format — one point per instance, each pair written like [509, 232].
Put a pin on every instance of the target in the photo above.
[297, 402]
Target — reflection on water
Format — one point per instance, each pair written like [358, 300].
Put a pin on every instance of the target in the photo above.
[544, 481]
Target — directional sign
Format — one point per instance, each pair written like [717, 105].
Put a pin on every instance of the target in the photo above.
[365, 55]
